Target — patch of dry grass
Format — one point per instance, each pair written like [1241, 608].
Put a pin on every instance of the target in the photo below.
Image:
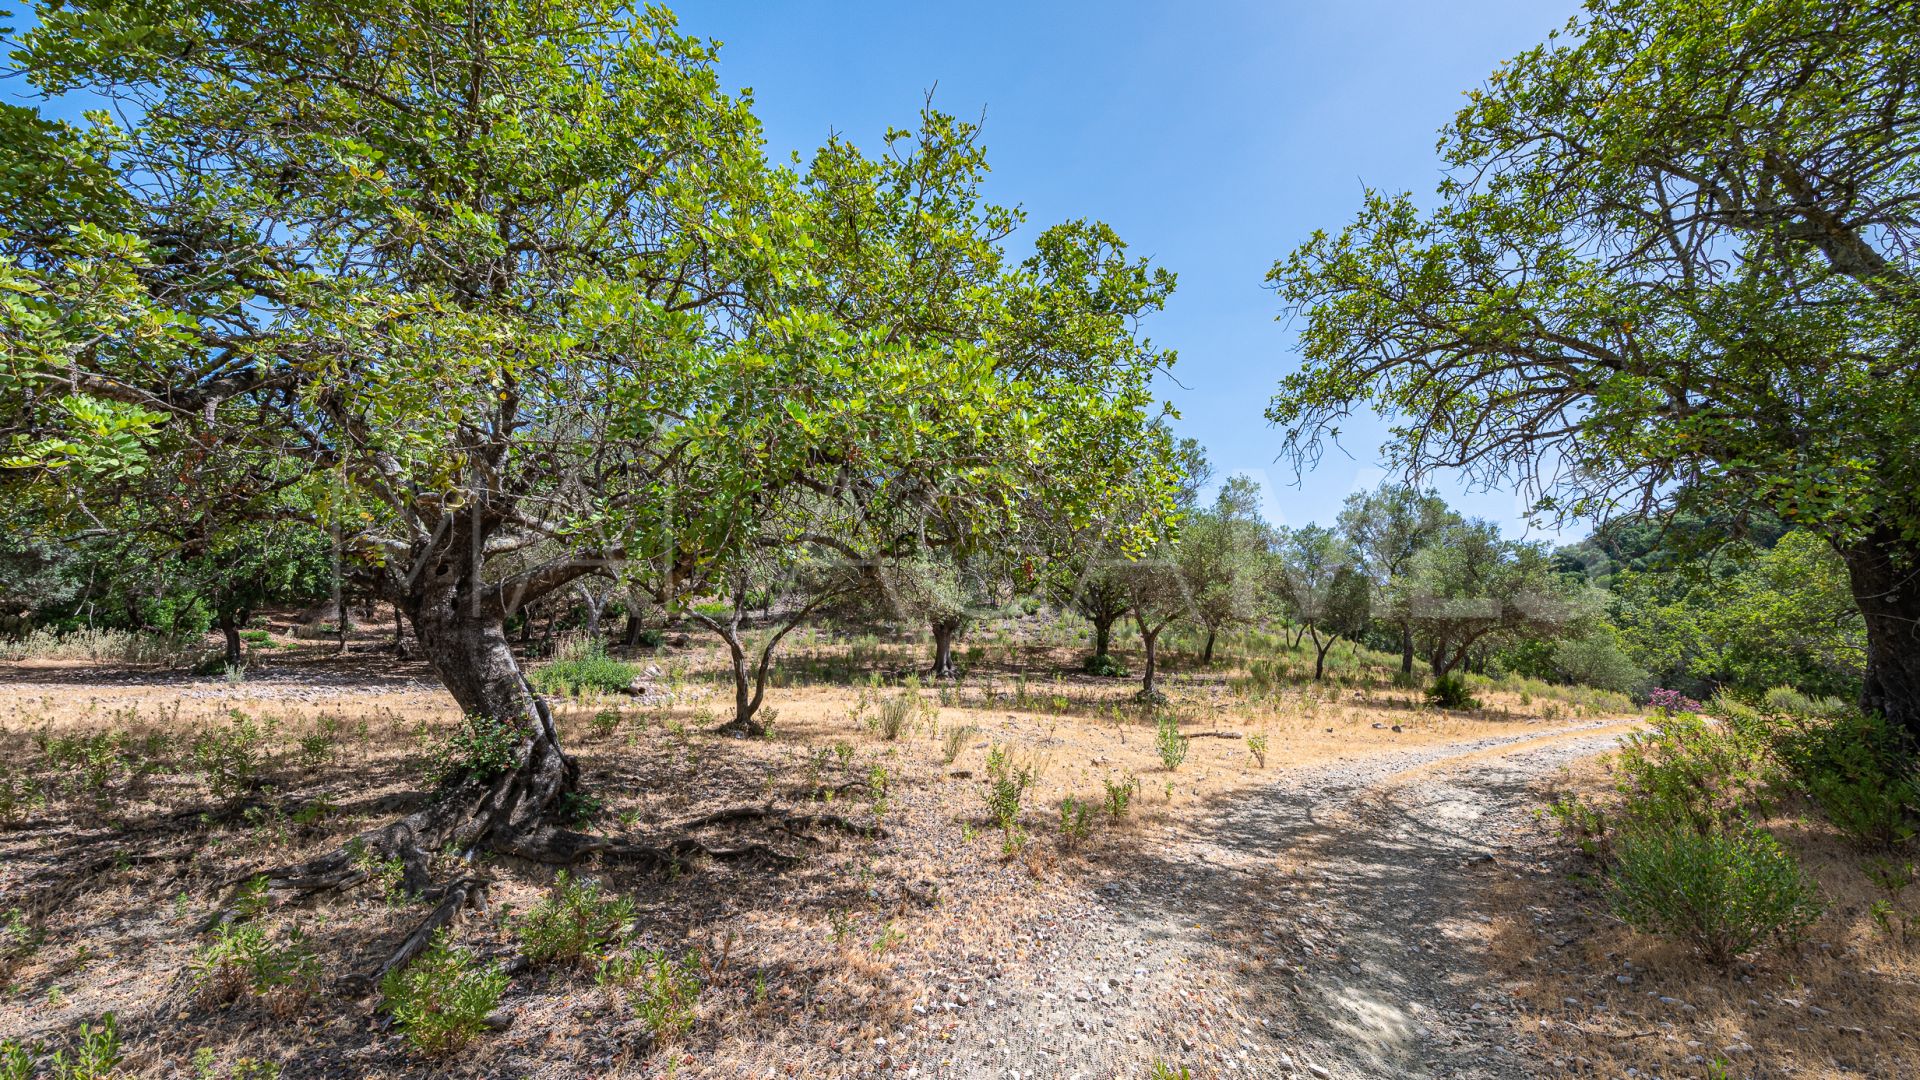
[122, 846]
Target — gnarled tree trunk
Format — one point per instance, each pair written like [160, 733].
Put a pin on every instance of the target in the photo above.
[1103, 634]
[1206, 654]
[943, 635]
[1885, 574]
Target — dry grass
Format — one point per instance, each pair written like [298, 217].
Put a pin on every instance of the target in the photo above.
[1602, 999]
[112, 875]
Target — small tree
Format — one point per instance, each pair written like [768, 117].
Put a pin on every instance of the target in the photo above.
[1322, 588]
[1219, 552]
[1387, 527]
[1469, 588]
[1157, 596]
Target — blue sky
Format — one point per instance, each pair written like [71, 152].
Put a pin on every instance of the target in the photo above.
[1215, 137]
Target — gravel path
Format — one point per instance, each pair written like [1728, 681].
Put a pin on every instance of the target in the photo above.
[1323, 927]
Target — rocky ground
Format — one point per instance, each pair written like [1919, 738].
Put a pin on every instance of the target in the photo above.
[1327, 926]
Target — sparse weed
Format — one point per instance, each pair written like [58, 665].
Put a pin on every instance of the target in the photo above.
[1120, 795]
[1076, 821]
[242, 961]
[1172, 745]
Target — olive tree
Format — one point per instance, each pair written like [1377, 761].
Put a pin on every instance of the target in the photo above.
[1387, 527]
[1674, 260]
[1470, 589]
[552, 318]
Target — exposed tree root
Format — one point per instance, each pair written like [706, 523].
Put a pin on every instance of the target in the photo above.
[454, 898]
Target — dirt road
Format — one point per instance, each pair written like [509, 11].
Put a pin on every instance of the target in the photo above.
[1324, 927]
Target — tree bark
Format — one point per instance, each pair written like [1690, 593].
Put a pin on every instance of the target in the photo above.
[1149, 640]
[1406, 648]
[1885, 573]
[1320, 651]
[943, 666]
[1206, 654]
[1103, 634]
[230, 630]
[631, 639]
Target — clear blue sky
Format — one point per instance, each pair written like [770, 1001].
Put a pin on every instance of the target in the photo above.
[1215, 137]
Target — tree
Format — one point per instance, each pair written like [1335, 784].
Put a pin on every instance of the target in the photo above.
[1157, 595]
[1387, 527]
[1219, 552]
[1322, 588]
[544, 321]
[1752, 619]
[1470, 589]
[1674, 264]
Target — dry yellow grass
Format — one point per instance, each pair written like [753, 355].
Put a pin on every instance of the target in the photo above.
[114, 874]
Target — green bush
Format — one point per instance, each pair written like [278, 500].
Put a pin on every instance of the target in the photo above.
[1076, 821]
[231, 757]
[1688, 770]
[1105, 666]
[96, 1057]
[1171, 745]
[1450, 692]
[242, 961]
[1120, 795]
[583, 669]
[481, 749]
[1007, 785]
[667, 994]
[1854, 768]
[650, 638]
[1721, 892]
[441, 1001]
[573, 922]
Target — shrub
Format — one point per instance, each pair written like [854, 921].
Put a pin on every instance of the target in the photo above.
[242, 961]
[1450, 692]
[1671, 703]
[573, 922]
[481, 749]
[1120, 795]
[97, 1057]
[1257, 746]
[16, 1061]
[650, 638]
[1722, 892]
[1851, 764]
[667, 995]
[583, 668]
[1105, 666]
[1687, 770]
[1007, 785]
[231, 757]
[442, 999]
[896, 714]
[1170, 743]
[955, 739]
[1076, 820]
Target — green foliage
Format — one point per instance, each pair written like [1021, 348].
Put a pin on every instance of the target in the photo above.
[1451, 692]
[1257, 746]
[587, 670]
[1723, 892]
[1119, 795]
[1685, 771]
[231, 757]
[1076, 820]
[97, 1055]
[1007, 784]
[1852, 766]
[667, 997]
[1104, 665]
[573, 922]
[1161, 1070]
[1169, 743]
[441, 1001]
[480, 749]
[16, 1061]
[241, 960]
